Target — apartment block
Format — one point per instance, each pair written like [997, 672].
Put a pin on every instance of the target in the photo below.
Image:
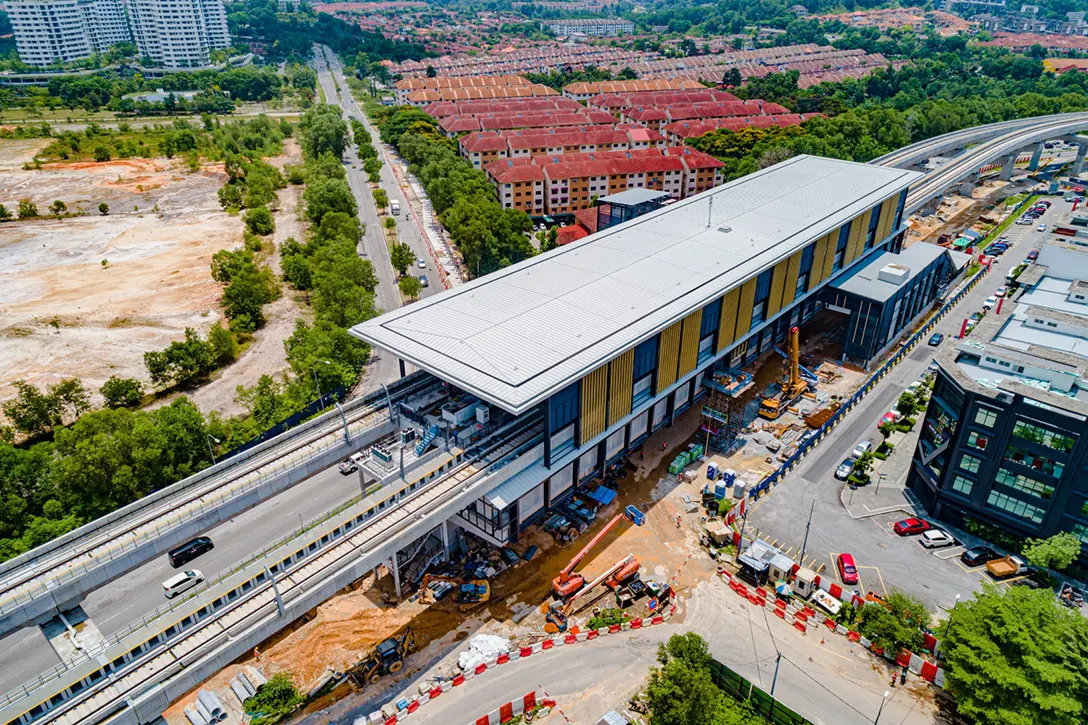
[599, 27]
[178, 33]
[572, 181]
[485, 147]
[64, 31]
[519, 184]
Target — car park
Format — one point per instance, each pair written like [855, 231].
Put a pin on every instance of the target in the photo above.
[862, 448]
[978, 556]
[351, 463]
[182, 555]
[911, 526]
[936, 339]
[844, 469]
[848, 570]
[935, 538]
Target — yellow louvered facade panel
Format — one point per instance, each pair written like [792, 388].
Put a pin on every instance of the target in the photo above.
[778, 281]
[859, 227]
[668, 356]
[819, 255]
[829, 258]
[621, 383]
[793, 271]
[727, 331]
[594, 400]
[689, 342]
[887, 218]
[744, 310]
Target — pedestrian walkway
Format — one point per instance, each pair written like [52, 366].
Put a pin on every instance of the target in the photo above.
[888, 491]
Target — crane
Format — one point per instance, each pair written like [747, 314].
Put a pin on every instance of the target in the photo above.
[789, 390]
[568, 582]
[621, 570]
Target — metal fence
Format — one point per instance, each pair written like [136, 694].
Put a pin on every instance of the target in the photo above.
[741, 689]
[764, 486]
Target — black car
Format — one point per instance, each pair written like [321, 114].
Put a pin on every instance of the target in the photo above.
[190, 550]
[978, 556]
[936, 339]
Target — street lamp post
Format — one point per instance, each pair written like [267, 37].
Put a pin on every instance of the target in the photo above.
[209, 440]
[804, 544]
[774, 681]
[951, 614]
[882, 701]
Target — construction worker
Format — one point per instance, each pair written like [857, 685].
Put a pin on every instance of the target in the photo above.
[678, 521]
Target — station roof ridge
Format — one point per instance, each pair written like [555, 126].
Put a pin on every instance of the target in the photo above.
[523, 333]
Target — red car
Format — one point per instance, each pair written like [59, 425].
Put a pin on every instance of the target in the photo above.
[910, 527]
[847, 570]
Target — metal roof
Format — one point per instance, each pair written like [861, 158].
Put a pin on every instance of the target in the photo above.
[519, 335]
[864, 280]
[634, 196]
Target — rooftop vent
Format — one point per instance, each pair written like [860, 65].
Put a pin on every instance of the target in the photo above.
[893, 273]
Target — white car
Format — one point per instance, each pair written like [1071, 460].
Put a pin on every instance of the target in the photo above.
[1041, 227]
[862, 448]
[351, 463]
[421, 264]
[935, 538]
[1001, 292]
[989, 303]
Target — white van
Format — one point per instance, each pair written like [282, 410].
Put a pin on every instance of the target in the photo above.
[182, 582]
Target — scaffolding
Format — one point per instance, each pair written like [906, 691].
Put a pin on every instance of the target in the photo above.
[722, 408]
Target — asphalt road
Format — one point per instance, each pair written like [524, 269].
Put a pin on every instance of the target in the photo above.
[884, 559]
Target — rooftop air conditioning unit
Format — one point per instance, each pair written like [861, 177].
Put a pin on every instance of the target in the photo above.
[893, 273]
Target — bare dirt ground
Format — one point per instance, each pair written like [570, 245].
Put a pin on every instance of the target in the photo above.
[87, 296]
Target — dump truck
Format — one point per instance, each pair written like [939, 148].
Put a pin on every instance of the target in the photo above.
[1007, 567]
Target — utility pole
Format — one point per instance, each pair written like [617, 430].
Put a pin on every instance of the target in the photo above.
[884, 700]
[774, 681]
[804, 544]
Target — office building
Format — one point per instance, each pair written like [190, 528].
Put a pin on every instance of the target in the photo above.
[49, 32]
[582, 352]
[1005, 437]
[178, 33]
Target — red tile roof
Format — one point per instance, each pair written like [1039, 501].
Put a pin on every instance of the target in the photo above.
[571, 233]
[587, 219]
[611, 167]
[508, 171]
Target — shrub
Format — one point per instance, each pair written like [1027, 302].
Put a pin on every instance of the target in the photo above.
[122, 392]
[259, 221]
[607, 618]
[27, 209]
[103, 208]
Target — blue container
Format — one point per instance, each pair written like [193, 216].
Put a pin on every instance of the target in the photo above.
[729, 476]
[712, 471]
[719, 490]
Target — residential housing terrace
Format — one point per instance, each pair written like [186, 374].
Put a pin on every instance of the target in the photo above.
[453, 126]
[537, 59]
[584, 90]
[442, 109]
[613, 102]
[484, 147]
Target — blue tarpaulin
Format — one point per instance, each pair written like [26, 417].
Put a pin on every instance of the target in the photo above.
[603, 495]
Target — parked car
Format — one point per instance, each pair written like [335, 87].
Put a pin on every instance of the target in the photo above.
[1033, 254]
[862, 448]
[844, 469]
[978, 555]
[351, 463]
[911, 526]
[421, 264]
[182, 555]
[936, 339]
[1041, 228]
[892, 416]
[989, 303]
[935, 538]
[1001, 292]
[848, 570]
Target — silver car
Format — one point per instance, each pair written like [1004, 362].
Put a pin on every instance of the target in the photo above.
[935, 539]
[862, 448]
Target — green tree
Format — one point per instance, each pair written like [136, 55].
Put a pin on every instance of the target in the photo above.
[1003, 672]
[431, 72]
[1056, 552]
[410, 286]
[101, 153]
[122, 392]
[906, 404]
[863, 465]
[381, 199]
[277, 698]
[249, 290]
[103, 208]
[732, 78]
[390, 223]
[897, 622]
[32, 411]
[323, 196]
[324, 131]
[181, 362]
[401, 257]
[550, 240]
[5, 213]
[27, 209]
[259, 221]
[226, 263]
[224, 346]
[58, 208]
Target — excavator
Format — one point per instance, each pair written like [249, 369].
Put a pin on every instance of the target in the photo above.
[386, 658]
[614, 577]
[569, 582]
[790, 389]
[470, 594]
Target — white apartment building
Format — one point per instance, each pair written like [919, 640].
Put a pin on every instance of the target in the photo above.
[172, 33]
[63, 31]
[178, 33]
[590, 26]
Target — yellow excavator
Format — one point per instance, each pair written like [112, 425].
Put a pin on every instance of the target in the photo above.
[790, 389]
[386, 659]
[470, 594]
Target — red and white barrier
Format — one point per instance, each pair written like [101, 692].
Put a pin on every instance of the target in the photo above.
[508, 711]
